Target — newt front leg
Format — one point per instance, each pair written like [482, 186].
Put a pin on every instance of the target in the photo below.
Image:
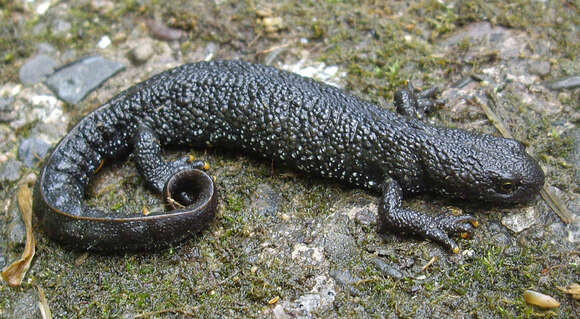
[394, 218]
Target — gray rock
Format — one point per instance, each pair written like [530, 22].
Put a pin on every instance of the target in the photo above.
[476, 31]
[210, 50]
[141, 53]
[343, 277]
[15, 229]
[3, 262]
[573, 229]
[60, 26]
[279, 313]
[366, 217]
[75, 81]
[574, 156]
[7, 111]
[319, 299]
[506, 42]
[540, 68]
[339, 247]
[500, 236]
[388, 269]
[31, 150]
[37, 69]
[520, 221]
[10, 171]
[570, 82]
[265, 200]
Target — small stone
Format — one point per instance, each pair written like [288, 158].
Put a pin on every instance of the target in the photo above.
[570, 82]
[346, 280]
[574, 155]
[10, 171]
[7, 111]
[520, 221]
[279, 313]
[265, 200]
[388, 269]
[209, 51]
[42, 7]
[573, 229]
[75, 81]
[10, 89]
[37, 69]
[15, 229]
[104, 6]
[339, 247]
[320, 298]
[104, 42]
[540, 68]
[366, 217]
[141, 53]
[32, 150]
[60, 26]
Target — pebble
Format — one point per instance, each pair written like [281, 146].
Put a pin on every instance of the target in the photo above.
[75, 81]
[60, 27]
[10, 171]
[319, 299]
[31, 150]
[15, 230]
[567, 83]
[346, 280]
[541, 68]
[366, 217]
[388, 269]
[265, 200]
[573, 229]
[37, 69]
[518, 222]
[141, 53]
[339, 247]
[279, 313]
[7, 111]
[500, 238]
[104, 42]
[574, 156]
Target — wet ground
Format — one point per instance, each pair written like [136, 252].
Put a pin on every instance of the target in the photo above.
[285, 244]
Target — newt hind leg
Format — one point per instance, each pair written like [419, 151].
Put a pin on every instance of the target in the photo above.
[413, 103]
[181, 181]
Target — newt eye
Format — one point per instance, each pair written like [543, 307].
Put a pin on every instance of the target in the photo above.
[507, 187]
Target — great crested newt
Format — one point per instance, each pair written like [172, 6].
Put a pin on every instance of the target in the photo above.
[278, 115]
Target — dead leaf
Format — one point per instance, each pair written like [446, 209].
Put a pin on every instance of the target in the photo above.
[539, 299]
[43, 304]
[573, 290]
[14, 273]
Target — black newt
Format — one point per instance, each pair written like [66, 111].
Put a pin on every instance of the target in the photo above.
[278, 115]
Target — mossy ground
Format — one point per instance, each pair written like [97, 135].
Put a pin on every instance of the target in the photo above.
[223, 272]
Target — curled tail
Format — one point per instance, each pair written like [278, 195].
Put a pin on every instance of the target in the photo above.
[60, 191]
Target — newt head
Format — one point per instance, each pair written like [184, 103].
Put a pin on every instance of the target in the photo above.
[472, 166]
